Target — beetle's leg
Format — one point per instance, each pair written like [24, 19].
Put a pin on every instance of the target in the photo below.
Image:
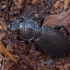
[59, 27]
[36, 47]
[41, 21]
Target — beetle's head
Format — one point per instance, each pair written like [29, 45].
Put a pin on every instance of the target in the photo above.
[14, 25]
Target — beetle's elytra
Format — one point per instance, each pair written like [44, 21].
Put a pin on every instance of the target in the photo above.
[52, 42]
[46, 38]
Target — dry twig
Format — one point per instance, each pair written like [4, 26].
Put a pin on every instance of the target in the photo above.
[5, 52]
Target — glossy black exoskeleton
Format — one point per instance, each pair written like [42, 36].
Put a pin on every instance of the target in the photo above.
[47, 39]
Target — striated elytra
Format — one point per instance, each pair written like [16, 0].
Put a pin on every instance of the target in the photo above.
[53, 42]
[46, 38]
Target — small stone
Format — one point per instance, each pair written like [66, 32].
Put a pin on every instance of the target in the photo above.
[37, 15]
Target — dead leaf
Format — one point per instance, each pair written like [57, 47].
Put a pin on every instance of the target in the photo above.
[59, 19]
[66, 3]
[27, 61]
[56, 5]
[5, 52]
[2, 35]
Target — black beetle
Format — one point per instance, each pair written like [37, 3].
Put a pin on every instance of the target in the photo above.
[47, 39]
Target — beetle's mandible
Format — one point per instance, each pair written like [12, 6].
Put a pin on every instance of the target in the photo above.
[47, 39]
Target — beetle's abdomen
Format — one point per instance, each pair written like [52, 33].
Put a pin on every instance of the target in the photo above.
[53, 42]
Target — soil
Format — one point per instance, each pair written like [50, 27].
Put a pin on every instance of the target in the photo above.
[28, 58]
